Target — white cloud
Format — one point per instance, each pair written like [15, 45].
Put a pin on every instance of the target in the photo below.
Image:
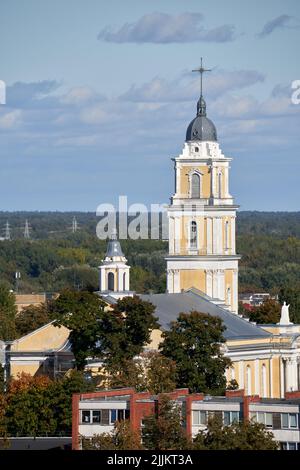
[161, 28]
[10, 120]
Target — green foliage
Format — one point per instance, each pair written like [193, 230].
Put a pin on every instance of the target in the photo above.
[121, 438]
[267, 312]
[113, 336]
[238, 436]
[8, 312]
[193, 342]
[163, 430]
[151, 372]
[82, 313]
[291, 295]
[126, 330]
[31, 318]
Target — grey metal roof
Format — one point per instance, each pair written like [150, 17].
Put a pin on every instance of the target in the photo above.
[168, 307]
[114, 249]
[201, 128]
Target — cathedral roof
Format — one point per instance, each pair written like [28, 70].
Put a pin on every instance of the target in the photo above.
[201, 128]
[113, 246]
[168, 307]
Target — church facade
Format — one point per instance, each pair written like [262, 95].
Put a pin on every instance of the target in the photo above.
[202, 268]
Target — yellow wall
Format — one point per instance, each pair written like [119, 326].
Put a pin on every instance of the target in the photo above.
[184, 179]
[192, 278]
[44, 339]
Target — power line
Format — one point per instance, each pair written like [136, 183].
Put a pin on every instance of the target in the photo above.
[7, 235]
[27, 230]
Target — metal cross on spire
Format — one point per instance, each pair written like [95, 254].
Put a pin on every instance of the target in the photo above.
[201, 70]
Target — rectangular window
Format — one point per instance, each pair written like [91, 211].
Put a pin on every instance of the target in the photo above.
[284, 420]
[253, 416]
[113, 416]
[293, 420]
[127, 414]
[292, 445]
[85, 416]
[226, 418]
[196, 418]
[96, 416]
[203, 417]
[261, 417]
[235, 416]
[269, 420]
[105, 417]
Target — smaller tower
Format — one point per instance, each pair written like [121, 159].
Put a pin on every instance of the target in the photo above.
[114, 271]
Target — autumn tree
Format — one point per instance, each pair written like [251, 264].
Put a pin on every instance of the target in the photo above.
[8, 311]
[194, 344]
[163, 430]
[123, 437]
[246, 435]
[267, 312]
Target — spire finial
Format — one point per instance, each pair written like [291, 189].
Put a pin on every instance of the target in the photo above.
[201, 70]
[114, 234]
[201, 105]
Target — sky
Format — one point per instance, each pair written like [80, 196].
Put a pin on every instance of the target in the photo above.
[99, 95]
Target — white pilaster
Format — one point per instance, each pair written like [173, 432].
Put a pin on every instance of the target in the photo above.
[235, 291]
[241, 375]
[256, 374]
[209, 282]
[170, 286]
[176, 281]
[177, 235]
[209, 235]
[232, 235]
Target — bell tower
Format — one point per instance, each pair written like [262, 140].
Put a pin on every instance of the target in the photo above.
[202, 216]
[114, 271]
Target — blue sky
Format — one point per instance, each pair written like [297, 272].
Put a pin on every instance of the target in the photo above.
[99, 96]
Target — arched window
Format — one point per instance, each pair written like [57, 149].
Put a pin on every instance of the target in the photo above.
[111, 281]
[232, 371]
[264, 380]
[226, 235]
[195, 192]
[220, 185]
[193, 234]
[124, 281]
[248, 377]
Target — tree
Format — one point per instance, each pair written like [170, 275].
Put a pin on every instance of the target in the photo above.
[82, 313]
[31, 318]
[291, 295]
[114, 336]
[151, 371]
[8, 312]
[193, 343]
[246, 435]
[160, 373]
[121, 438]
[36, 406]
[124, 331]
[267, 312]
[163, 430]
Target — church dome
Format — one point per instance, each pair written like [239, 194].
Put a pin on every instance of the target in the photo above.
[201, 128]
